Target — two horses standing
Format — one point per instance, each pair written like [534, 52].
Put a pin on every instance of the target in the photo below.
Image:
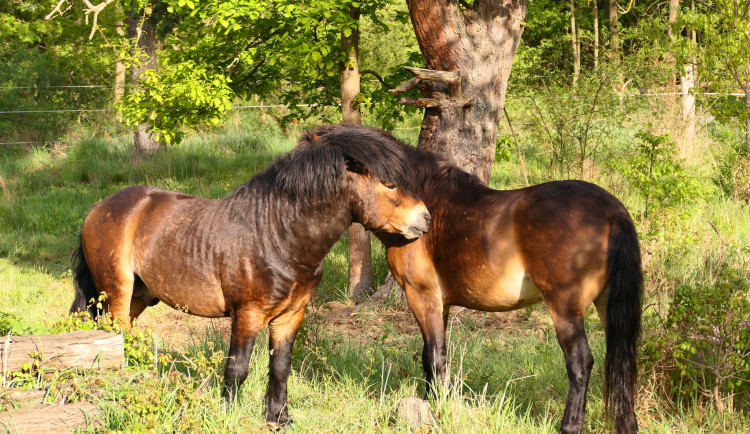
[256, 255]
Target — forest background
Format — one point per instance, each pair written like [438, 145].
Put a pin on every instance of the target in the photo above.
[649, 99]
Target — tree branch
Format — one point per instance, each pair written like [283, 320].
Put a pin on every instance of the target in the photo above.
[90, 9]
[56, 10]
[376, 75]
[420, 102]
[406, 86]
[447, 77]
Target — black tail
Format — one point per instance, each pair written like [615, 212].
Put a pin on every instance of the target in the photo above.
[84, 283]
[623, 323]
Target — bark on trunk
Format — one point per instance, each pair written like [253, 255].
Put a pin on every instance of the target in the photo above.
[361, 284]
[119, 68]
[674, 6]
[687, 82]
[595, 13]
[81, 349]
[747, 120]
[614, 28]
[576, 43]
[688, 102]
[461, 119]
[145, 37]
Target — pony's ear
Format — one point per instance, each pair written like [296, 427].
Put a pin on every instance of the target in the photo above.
[355, 166]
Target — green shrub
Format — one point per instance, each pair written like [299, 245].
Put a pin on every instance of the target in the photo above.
[658, 175]
[704, 350]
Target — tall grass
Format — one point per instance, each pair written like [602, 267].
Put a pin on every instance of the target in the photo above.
[505, 380]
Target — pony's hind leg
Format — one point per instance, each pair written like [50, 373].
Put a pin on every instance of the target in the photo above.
[282, 330]
[579, 362]
[141, 299]
[245, 326]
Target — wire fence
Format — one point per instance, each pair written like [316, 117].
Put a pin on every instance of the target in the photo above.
[270, 106]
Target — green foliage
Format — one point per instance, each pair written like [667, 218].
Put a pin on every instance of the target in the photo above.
[572, 125]
[722, 52]
[286, 52]
[11, 324]
[183, 94]
[504, 148]
[704, 351]
[38, 58]
[658, 175]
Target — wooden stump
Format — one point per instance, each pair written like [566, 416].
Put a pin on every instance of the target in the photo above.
[79, 349]
[415, 412]
[50, 419]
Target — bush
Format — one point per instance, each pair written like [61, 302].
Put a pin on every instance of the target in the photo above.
[703, 351]
[658, 175]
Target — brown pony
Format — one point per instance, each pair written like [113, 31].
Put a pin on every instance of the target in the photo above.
[566, 243]
[256, 255]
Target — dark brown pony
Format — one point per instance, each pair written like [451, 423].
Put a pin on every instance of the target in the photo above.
[256, 255]
[566, 243]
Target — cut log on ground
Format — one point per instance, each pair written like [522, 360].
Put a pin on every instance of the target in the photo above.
[79, 349]
[50, 419]
[14, 397]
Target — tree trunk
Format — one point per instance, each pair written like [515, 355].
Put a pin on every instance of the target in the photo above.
[119, 68]
[471, 52]
[687, 82]
[361, 283]
[145, 37]
[674, 6]
[595, 13]
[80, 349]
[614, 28]
[747, 120]
[576, 43]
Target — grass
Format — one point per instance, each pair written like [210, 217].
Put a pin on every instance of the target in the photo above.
[508, 371]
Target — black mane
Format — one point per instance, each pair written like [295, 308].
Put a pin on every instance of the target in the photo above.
[313, 169]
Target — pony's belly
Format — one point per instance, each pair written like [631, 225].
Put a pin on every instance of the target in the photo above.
[196, 299]
[510, 291]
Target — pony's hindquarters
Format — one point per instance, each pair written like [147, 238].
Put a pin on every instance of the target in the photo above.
[623, 322]
[104, 260]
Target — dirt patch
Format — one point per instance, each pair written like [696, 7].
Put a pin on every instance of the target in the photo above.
[358, 323]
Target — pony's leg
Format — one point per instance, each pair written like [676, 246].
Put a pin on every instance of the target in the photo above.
[282, 331]
[245, 327]
[432, 318]
[600, 303]
[118, 295]
[578, 362]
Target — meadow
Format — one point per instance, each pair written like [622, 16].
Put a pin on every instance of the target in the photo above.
[351, 365]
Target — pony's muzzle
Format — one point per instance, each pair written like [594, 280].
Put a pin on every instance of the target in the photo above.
[418, 224]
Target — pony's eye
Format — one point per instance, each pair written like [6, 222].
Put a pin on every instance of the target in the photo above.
[391, 186]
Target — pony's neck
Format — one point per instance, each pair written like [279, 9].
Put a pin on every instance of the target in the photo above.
[293, 230]
[315, 228]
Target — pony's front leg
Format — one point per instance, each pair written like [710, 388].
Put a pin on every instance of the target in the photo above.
[431, 317]
[245, 327]
[283, 330]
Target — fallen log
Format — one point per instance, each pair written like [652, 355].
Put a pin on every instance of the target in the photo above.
[80, 349]
[47, 419]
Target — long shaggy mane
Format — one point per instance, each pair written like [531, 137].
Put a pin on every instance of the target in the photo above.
[313, 169]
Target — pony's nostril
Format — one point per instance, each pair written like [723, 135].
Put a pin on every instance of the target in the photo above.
[427, 217]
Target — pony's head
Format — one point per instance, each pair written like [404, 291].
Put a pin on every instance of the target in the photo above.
[369, 167]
